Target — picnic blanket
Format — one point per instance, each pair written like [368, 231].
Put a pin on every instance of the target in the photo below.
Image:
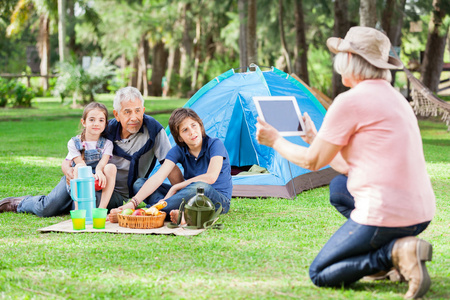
[66, 226]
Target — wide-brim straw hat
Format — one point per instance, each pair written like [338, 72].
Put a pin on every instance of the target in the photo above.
[369, 43]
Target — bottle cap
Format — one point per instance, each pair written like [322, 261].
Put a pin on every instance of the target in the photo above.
[200, 190]
[85, 172]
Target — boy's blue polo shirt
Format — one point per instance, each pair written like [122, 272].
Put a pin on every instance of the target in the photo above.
[197, 166]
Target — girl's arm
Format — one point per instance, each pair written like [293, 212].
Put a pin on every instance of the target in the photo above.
[99, 175]
[102, 163]
[78, 160]
[211, 175]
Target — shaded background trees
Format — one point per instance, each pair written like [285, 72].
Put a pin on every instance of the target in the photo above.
[175, 47]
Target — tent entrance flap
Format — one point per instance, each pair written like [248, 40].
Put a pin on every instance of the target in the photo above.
[237, 141]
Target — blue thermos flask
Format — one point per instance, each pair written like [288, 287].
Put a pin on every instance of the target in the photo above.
[82, 190]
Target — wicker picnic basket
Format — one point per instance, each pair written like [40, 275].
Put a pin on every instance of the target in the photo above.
[142, 222]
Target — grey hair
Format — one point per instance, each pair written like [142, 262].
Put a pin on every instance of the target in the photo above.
[128, 93]
[358, 68]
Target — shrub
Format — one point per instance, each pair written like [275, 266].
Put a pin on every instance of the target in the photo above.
[22, 95]
[37, 88]
[82, 84]
[17, 92]
[5, 91]
[119, 80]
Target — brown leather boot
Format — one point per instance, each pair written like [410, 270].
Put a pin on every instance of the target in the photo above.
[391, 275]
[10, 204]
[408, 257]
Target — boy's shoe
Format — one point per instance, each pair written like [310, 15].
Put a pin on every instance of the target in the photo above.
[408, 257]
[10, 204]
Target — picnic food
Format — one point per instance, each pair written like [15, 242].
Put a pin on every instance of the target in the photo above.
[160, 205]
[98, 187]
[154, 210]
[127, 211]
[142, 222]
[138, 212]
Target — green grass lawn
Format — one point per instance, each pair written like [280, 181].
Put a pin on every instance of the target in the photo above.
[263, 252]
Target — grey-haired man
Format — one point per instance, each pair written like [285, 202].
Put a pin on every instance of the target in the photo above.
[139, 141]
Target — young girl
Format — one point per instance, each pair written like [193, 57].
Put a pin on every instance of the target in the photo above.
[204, 160]
[91, 148]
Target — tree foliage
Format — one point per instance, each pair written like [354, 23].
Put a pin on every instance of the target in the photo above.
[192, 41]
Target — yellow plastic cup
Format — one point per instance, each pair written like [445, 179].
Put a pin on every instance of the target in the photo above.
[78, 219]
[99, 218]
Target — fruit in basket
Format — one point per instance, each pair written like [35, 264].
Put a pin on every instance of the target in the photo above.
[138, 212]
[152, 211]
[127, 211]
[160, 205]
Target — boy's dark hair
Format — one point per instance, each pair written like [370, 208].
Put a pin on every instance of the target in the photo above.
[91, 106]
[178, 116]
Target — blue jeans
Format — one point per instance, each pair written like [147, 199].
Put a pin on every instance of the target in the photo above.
[186, 194]
[355, 250]
[59, 202]
[340, 197]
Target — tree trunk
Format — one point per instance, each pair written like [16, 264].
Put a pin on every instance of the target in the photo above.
[132, 81]
[198, 32]
[243, 59]
[62, 29]
[139, 72]
[143, 59]
[368, 13]
[158, 68]
[392, 22]
[210, 46]
[301, 60]
[186, 47]
[252, 46]
[210, 52]
[70, 22]
[434, 52]
[44, 48]
[283, 36]
[173, 68]
[341, 26]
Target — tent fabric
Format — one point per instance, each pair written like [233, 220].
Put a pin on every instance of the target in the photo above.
[226, 106]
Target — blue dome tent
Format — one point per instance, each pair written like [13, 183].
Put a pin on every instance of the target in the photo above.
[228, 112]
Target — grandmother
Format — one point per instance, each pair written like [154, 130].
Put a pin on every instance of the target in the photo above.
[370, 134]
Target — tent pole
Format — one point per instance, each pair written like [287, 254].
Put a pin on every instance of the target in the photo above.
[292, 179]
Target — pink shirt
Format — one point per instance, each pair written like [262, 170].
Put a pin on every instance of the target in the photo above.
[383, 148]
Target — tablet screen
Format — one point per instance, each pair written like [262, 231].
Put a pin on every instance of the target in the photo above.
[282, 112]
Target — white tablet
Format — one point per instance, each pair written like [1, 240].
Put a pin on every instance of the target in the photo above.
[282, 112]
